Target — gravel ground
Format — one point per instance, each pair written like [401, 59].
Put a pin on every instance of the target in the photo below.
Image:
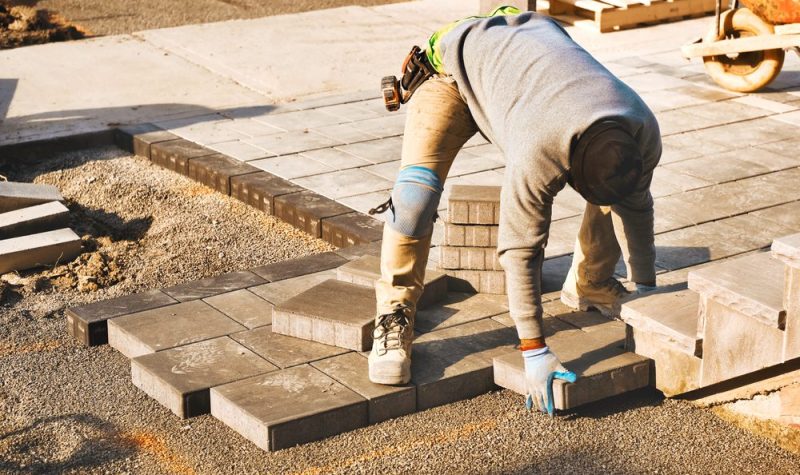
[69, 409]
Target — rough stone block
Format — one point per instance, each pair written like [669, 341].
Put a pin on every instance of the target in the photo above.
[306, 210]
[472, 204]
[303, 405]
[669, 317]
[603, 369]
[473, 236]
[33, 219]
[483, 281]
[301, 266]
[456, 363]
[351, 229]
[216, 171]
[260, 189]
[220, 284]
[278, 292]
[676, 372]
[88, 323]
[469, 258]
[333, 312]
[163, 328]
[243, 306]
[137, 139]
[285, 351]
[41, 249]
[458, 308]
[366, 270]
[385, 402]
[175, 154]
[15, 195]
[179, 378]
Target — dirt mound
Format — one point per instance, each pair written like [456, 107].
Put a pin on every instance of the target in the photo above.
[23, 25]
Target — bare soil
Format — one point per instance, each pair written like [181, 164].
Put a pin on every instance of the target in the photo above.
[24, 25]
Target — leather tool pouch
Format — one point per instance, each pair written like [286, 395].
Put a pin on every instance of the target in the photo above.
[416, 70]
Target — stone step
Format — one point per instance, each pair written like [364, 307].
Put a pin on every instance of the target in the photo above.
[472, 204]
[33, 219]
[604, 369]
[469, 258]
[366, 270]
[333, 312]
[40, 249]
[16, 195]
[787, 250]
[470, 235]
[482, 281]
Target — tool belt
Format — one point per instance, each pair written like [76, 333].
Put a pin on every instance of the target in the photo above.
[416, 70]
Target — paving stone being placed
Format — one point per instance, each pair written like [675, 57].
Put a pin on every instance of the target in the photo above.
[179, 378]
[351, 229]
[469, 258]
[259, 190]
[243, 306]
[137, 139]
[482, 281]
[216, 171]
[301, 266]
[366, 270]
[472, 204]
[15, 195]
[385, 402]
[288, 407]
[458, 308]
[220, 284]
[333, 312]
[306, 210]
[466, 235]
[88, 323]
[603, 368]
[278, 292]
[676, 372]
[175, 154]
[33, 219]
[669, 317]
[163, 328]
[41, 249]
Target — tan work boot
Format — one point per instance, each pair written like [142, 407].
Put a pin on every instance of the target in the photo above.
[606, 297]
[390, 358]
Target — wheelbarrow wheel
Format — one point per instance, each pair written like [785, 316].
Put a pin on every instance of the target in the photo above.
[743, 72]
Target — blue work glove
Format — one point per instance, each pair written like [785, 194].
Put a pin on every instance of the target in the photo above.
[541, 368]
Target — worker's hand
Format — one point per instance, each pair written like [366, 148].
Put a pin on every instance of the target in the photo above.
[541, 368]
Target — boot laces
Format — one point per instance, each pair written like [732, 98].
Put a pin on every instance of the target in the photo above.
[390, 330]
[614, 286]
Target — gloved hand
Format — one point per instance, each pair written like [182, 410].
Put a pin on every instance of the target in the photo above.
[541, 368]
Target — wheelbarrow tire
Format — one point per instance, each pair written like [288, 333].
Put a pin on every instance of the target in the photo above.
[745, 72]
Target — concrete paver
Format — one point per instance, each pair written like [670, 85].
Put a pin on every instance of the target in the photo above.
[460, 308]
[33, 219]
[259, 190]
[175, 154]
[301, 266]
[306, 210]
[213, 285]
[285, 351]
[278, 292]
[216, 171]
[244, 307]
[41, 249]
[21, 195]
[676, 328]
[351, 229]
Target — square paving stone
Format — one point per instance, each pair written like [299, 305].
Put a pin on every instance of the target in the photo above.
[220, 284]
[333, 312]
[300, 120]
[306, 210]
[676, 372]
[292, 167]
[88, 323]
[284, 408]
[282, 290]
[351, 229]
[456, 363]
[216, 171]
[376, 151]
[260, 189]
[41, 249]
[336, 159]
[550, 325]
[343, 183]
[175, 154]
[460, 308]
[473, 204]
[243, 306]
[16, 195]
[287, 143]
[360, 250]
[675, 327]
[163, 328]
[179, 378]
[385, 402]
[469, 258]
[239, 150]
[301, 266]
[366, 270]
[285, 351]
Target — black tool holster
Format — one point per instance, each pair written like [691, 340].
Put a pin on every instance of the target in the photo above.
[416, 70]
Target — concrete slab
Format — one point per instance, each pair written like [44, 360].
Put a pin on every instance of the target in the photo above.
[166, 327]
[302, 405]
[15, 195]
[669, 317]
[33, 219]
[220, 284]
[179, 378]
[787, 249]
[291, 167]
[41, 249]
[385, 402]
[676, 372]
[244, 307]
[301, 266]
[278, 292]
[375, 151]
[483, 281]
[459, 308]
[551, 325]
[351, 229]
[285, 351]
[332, 312]
[344, 183]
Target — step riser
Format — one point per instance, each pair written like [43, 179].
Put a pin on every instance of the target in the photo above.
[791, 301]
[675, 372]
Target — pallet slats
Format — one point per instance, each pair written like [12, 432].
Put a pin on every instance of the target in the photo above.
[611, 15]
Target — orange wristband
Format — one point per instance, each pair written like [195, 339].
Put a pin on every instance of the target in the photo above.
[531, 344]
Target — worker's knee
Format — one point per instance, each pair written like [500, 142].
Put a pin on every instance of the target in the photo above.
[415, 198]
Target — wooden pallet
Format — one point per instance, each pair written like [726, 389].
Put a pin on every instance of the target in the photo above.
[612, 15]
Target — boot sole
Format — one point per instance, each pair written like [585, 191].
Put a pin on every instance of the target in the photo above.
[583, 305]
[390, 379]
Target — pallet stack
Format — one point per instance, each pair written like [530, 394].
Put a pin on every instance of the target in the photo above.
[469, 251]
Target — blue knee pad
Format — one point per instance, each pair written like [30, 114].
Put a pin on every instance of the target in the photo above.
[415, 198]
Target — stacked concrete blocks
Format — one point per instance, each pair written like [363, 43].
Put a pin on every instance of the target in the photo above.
[469, 250]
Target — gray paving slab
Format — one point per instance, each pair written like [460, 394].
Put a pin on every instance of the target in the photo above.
[351, 229]
[455, 363]
[205, 131]
[786, 215]
[760, 231]
[675, 371]
[376, 151]
[304, 405]
[220, 284]
[390, 125]
[364, 203]
[345, 133]
[787, 148]
[300, 120]
[333, 312]
[360, 250]
[88, 323]
[460, 308]
[287, 143]
[385, 170]
[592, 322]
[259, 190]
[41, 249]
[385, 402]
[285, 351]
[180, 378]
[352, 112]
[748, 133]
[243, 306]
[251, 128]
[550, 325]
[292, 166]
[33, 219]
[300, 266]
[162, 328]
[335, 159]
[702, 243]
[671, 318]
[278, 292]
[343, 183]
[306, 210]
[15, 195]
[562, 236]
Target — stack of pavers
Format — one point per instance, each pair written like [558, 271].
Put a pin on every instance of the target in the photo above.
[469, 250]
[33, 227]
